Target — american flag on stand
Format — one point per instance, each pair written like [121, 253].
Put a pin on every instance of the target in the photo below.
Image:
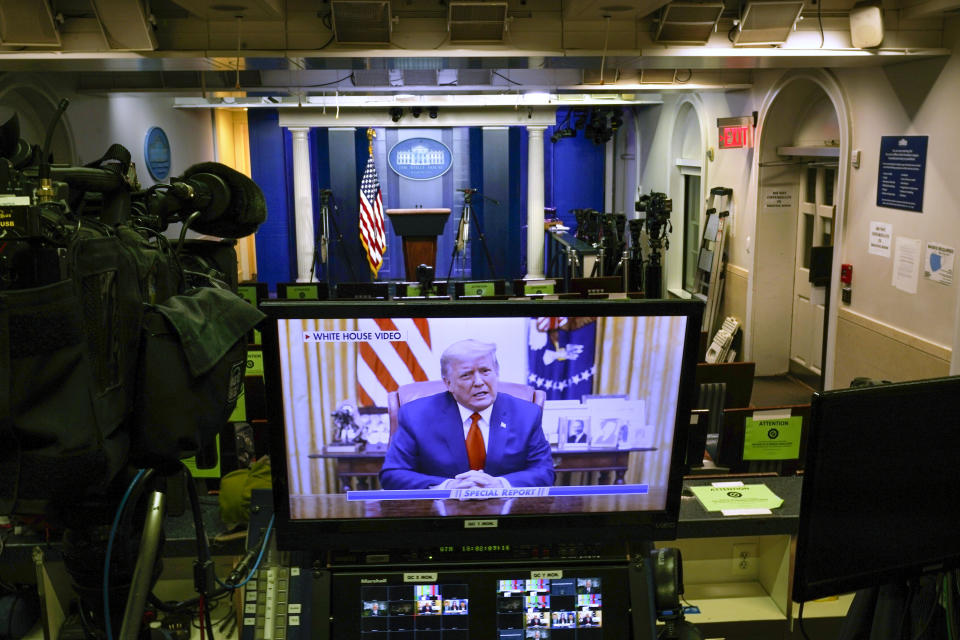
[372, 235]
[383, 366]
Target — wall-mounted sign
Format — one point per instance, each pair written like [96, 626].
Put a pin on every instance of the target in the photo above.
[735, 133]
[156, 152]
[903, 165]
[420, 158]
[938, 265]
[880, 234]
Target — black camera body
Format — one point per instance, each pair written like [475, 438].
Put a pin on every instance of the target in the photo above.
[97, 309]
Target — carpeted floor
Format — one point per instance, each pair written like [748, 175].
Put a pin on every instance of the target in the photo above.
[771, 391]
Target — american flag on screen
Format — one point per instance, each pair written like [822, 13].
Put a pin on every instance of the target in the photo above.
[371, 217]
[383, 366]
[561, 356]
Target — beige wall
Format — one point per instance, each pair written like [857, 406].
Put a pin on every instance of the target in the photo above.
[734, 300]
[872, 349]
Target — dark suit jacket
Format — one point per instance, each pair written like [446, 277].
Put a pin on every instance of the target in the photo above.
[428, 446]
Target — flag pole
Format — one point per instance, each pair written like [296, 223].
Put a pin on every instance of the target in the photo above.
[371, 134]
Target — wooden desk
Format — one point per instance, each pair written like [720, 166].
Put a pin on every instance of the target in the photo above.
[360, 470]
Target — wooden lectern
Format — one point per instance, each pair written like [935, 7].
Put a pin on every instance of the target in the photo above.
[419, 229]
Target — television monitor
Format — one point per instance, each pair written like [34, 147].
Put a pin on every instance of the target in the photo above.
[623, 369]
[879, 500]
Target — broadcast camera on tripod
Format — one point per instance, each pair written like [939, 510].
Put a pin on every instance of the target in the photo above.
[605, 231]
[119, 349]
[656, 208]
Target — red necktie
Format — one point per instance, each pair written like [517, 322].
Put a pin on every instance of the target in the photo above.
[476, 452]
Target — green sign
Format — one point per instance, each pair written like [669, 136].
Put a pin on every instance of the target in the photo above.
[254, 363]
[413, 290]
[197, 472]
[772, 438]
[248, 293]
[301, 292]
[257, 338]
[535, 289]
[748, 496]
[484, 289]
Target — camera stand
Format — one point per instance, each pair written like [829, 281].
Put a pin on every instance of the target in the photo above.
[323, 244]
[463, 234]
[142, 580]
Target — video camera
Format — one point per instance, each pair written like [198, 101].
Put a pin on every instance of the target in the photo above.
[117, 345]
[655, 208]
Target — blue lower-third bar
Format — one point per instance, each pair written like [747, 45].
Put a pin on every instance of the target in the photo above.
[478, 493]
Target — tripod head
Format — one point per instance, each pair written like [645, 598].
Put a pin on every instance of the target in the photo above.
[325, 195]
[469, 192]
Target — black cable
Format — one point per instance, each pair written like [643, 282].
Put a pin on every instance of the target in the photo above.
[327, 43]
[904, 617]
[803, 631]
[208, 619]
[507, 79]
[327, 84]
[820, 21]
[933, 609]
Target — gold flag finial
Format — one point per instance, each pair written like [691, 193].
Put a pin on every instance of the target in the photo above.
[371, 134]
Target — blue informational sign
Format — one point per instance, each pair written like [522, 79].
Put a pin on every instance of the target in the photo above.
[420, 158]
[156, 152]
[903, 165]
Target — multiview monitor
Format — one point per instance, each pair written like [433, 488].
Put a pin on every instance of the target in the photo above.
[480, 424]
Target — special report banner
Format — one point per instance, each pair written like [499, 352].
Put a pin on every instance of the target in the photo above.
[498, 492]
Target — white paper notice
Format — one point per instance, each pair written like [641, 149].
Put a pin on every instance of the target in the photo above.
[880, 234]
[906, 264]
[938, 264]
[778, 199]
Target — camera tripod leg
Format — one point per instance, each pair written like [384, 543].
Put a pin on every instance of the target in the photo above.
[486, 251]
[143, 571]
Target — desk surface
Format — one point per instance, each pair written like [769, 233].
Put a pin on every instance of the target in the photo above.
[697, 522]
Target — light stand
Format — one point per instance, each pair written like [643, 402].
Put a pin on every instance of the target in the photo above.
[463, 234]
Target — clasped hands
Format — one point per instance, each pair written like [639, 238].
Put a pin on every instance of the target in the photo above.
[474, 479]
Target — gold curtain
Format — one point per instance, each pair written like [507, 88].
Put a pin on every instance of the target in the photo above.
[233, 149]
[642, 357]
[317, 377]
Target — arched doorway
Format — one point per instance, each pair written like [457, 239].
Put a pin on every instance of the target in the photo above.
[35, 107]
[686, 189]
[803, 144]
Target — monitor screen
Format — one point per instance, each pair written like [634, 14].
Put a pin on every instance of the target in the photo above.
[416, 422]
[579, 603]
[879, 499]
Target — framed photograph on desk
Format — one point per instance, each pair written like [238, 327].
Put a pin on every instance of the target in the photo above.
[575, 432]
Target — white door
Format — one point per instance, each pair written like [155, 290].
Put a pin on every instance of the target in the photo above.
[814, 229]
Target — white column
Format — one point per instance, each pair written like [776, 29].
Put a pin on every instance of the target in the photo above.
[303, 203]
[535, 202]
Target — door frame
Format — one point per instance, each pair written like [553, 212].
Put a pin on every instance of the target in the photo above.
[758, 328]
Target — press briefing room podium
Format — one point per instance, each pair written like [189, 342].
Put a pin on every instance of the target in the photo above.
[419, 229]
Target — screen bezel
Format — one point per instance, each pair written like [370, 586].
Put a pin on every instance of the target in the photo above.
[374, 533]
[869, 468]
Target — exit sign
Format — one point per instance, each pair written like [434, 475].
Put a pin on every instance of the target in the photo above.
[735, 133]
